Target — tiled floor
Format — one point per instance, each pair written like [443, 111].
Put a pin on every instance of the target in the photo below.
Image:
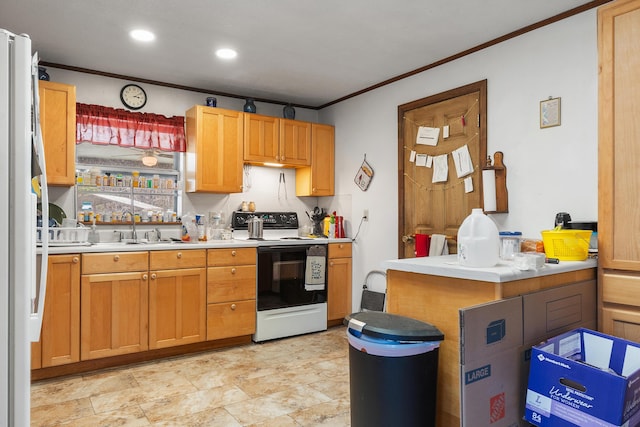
[298, 381]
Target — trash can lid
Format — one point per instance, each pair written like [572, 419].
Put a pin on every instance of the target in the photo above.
[393, 327]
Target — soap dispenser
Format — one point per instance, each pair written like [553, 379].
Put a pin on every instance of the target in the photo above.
[94, 237]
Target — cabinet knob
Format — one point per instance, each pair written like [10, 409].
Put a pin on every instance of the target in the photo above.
[75, 260]
[233, 271]
[331, 264]
[233, 253]
[282, 158]
[233, 306]
[341, 246]
[145, 276]
[179, 255]
[116, 258]
[153, 276]
[313, 190]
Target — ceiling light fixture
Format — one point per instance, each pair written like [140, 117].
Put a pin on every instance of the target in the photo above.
[149, 161]
[142, 35]
[226, 53]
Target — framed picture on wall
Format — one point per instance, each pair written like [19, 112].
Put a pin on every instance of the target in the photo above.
[550, 113]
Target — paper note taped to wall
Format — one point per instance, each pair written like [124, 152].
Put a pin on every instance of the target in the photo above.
[440, 169]
[427, 136]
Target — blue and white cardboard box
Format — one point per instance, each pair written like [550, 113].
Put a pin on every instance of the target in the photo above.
[584, 378]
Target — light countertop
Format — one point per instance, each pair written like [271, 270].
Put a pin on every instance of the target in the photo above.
[504, 271]
[213, 244]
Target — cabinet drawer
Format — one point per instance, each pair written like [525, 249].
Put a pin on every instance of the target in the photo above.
[115, 262]
[231, 256]
[231, 319]
[231, 283]
[163, 260]
[339, 250]
[621, 289]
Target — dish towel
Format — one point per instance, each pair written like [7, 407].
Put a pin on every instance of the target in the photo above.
[422, 245]
[314, 274]
[438, 245]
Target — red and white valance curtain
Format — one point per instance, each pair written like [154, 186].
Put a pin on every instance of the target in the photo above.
[114, 126]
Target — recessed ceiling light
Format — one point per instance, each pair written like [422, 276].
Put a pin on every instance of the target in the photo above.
[142, 35]
[226, 53]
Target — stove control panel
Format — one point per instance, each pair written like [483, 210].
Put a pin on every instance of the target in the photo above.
[270, 220]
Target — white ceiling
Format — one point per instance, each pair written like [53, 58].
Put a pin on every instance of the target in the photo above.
[306, 52]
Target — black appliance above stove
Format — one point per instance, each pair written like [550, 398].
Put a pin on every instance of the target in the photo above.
[270, 220]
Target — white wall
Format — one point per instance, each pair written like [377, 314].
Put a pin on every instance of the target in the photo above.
[549, 170]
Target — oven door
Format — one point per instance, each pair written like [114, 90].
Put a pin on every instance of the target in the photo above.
[288, 277]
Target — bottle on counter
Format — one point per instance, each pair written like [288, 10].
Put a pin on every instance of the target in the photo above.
[478, 241]
[332, 226]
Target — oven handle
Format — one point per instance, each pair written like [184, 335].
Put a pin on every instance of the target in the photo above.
[285, 248]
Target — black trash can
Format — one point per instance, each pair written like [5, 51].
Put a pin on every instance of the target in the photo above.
[393, 370]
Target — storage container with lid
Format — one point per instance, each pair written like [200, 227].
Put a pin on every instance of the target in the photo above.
[509, 244]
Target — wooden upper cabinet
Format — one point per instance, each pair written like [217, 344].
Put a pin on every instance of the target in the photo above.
[214, 150]
[270, 139]
[261, 143]
[295, 142]
[58, 123]
[318, 179]
[619, 133]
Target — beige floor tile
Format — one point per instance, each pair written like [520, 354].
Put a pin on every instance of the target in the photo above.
[217, 417]
[55, 413]
[191, 403]
[131, 416]
[334, 413]
[277, 404]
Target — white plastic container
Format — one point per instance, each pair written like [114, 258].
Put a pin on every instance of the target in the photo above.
[478, 241]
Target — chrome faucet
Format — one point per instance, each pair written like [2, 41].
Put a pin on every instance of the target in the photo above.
[134, 233]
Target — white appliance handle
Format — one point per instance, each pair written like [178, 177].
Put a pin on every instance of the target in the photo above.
[38, 293]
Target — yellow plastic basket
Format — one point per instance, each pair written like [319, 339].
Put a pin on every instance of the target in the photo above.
[566, 245]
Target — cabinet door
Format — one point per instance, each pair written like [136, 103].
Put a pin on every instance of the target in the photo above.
[231, 319]
[177, 307]
[621, 322]
[114, 314]
[58, 123]
[295, 142]
[619, 133]
[60, 336]
[339, 288]
[214, 150]
[261, 138]
[319, 178]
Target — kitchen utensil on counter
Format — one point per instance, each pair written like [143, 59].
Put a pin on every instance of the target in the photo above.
[318, 221]
[255, 227]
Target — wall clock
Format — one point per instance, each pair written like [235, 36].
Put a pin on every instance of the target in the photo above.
[133, 96]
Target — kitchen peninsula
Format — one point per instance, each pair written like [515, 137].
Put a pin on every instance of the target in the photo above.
[545, 302]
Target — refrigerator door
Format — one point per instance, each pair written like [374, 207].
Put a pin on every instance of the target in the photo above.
[17, 255]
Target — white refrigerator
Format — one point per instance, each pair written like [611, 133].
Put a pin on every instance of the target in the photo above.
[21, 298]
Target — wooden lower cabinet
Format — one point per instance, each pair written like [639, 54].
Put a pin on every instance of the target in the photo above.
[231, 292]
[620, 304]
[60, 335]
[114, 306]
[177, 298]
[339, 281]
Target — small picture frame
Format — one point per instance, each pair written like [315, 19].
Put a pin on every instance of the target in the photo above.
[550, 113]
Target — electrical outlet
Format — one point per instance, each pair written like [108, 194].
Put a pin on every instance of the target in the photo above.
[365, 215]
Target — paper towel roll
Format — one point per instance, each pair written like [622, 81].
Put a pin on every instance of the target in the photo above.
[489, 189]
